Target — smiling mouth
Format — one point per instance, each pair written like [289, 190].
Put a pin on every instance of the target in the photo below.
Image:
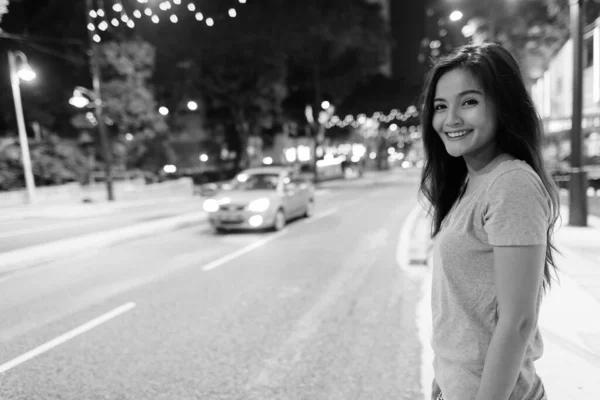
[458, 134]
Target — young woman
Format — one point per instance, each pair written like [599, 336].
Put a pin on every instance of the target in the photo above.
[494, 209]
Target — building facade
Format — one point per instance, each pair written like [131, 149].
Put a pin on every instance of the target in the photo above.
[553, 94]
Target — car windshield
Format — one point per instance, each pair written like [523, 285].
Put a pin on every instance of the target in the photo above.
[255, 182]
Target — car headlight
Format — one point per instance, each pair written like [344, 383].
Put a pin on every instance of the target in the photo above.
[259, 205]
[211, 205]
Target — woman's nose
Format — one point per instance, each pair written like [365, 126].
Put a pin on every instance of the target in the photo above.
[453, 118]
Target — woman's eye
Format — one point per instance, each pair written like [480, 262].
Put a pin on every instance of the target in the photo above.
[438, 107]
[470, 102]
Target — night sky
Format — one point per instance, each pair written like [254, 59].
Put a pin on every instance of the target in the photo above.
[58, 54]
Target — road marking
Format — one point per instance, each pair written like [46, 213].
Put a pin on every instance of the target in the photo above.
[230, 257]
[66, 337]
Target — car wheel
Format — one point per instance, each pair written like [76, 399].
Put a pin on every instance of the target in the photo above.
[310, 209]
[280, 221]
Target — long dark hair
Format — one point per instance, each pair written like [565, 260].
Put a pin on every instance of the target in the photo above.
[519, 133]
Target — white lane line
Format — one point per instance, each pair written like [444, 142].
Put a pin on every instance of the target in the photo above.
[9, 234]
[66, 337]
[230, 257]
[236, 254]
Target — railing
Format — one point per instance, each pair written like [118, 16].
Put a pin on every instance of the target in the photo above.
[123, 190]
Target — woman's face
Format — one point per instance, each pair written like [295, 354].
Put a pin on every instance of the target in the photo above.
[464, 118]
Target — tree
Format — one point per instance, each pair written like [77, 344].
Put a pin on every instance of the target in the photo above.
[129, 101]
[333, 46]
[129, 105]
[54, 161]
[3, 8]
[533, 30]
[248, 66]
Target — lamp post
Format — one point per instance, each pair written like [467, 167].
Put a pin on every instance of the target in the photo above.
[27, 74]
[80, 101]
[96, 79]
[578, 209]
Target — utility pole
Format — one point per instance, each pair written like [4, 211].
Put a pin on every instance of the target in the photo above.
[578, 209]
[96, 79]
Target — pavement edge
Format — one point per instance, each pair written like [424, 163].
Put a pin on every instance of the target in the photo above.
[34, 255]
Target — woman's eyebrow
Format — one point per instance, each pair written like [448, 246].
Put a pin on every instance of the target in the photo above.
[464, 92]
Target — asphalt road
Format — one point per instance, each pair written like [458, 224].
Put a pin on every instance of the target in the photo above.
[320, 310]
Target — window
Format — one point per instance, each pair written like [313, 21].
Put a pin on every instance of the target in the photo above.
[588, 52]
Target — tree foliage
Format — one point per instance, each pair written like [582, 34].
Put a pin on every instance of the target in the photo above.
[533, 30]
[129, 101]
[54, 161]
[334, 46]
[276, 49]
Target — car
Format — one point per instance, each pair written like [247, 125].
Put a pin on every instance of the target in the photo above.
[261, 198]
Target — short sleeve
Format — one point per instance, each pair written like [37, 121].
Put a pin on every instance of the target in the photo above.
[517, 210]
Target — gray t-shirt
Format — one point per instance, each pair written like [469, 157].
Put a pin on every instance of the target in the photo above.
[505, 204]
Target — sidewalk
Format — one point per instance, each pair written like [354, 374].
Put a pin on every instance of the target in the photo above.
[83, 210]
[32, 235]
[37, 234]
[570, 314]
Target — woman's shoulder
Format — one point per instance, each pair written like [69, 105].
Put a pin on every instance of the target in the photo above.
[512, 171]
[517, 180]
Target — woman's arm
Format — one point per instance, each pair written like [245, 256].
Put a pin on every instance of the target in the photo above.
[518, 272]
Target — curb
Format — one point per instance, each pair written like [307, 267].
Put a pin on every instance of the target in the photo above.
[420, 250]
[29, 256]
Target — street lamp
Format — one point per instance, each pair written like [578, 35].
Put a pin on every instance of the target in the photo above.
[192, 105]
[16, 75]
[456, 16]
[96, 83]
[81, 99]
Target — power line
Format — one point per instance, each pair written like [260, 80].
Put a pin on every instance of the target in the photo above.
[28, 38]
[47, 50]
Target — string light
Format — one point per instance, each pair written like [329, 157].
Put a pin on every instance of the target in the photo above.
[363, 119]
[116, 14]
